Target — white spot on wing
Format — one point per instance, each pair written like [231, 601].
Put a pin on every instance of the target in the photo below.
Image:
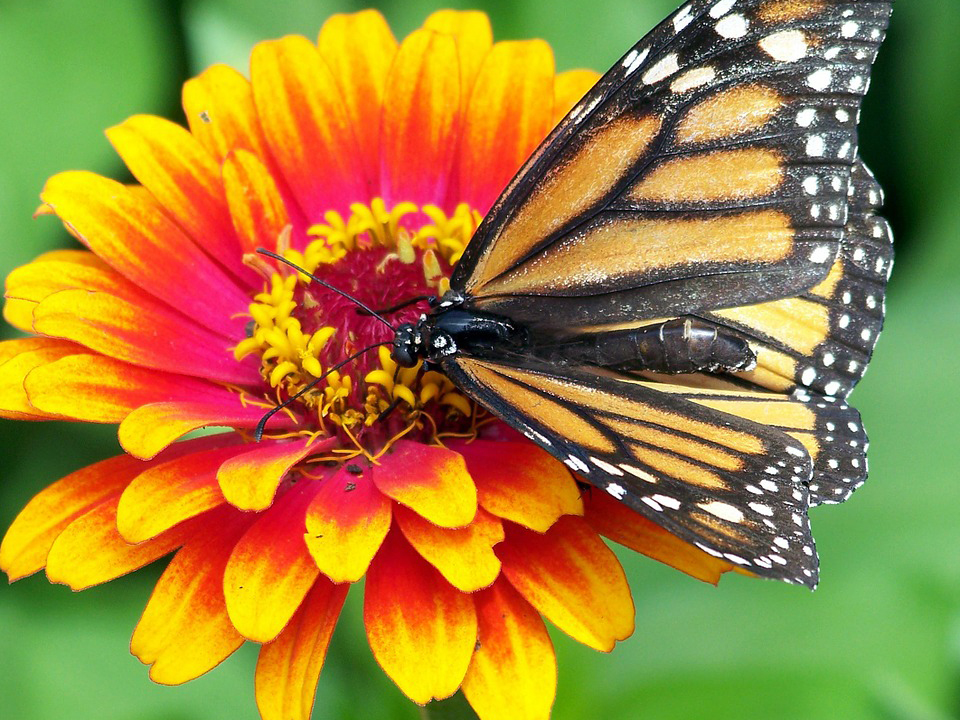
[732, 27]
[618, 491]
[667, 501]
[721, 8]
[693, 79]
[785, 46]
[664, 68]
[820, 80]
[723, 510]
[606, 467]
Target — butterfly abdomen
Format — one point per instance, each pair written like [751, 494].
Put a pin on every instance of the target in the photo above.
[681, 345]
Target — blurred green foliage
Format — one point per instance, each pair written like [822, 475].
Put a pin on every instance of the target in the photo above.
[879, 640]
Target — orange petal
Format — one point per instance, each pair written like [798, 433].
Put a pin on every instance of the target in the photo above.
[184, 630]
[184, 178]
[219, 108]
[18, 358]
[270, 570]
[152, 336]
[573, 579]
[616, 521]
[151, 428]
[91, 551]
[250, 481]
[569, 89]
[170, 492]
[133, 235]
[422, 630]
[359, 49]
[509, 113]
[346, 523]
[513, 673]
[306, 125]
[431, 481]
[464, 556]
[27, 542]
[52, 272]
[520, 482]
[474, 37]
[288, 668]
[95, 388]
[256, 207]
[421, 120]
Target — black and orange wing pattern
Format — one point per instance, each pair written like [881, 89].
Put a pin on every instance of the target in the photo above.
[682, 182]
[735, 488]
[712, 172]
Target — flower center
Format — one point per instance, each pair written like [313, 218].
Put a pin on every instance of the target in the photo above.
[389, 260]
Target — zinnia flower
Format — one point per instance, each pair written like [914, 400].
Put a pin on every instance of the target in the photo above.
[368, 163]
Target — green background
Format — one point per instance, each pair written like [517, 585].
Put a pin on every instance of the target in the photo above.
[880, 639]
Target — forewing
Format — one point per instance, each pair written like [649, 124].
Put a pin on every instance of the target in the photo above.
[681, 182]
[823, 338]
[735, 488]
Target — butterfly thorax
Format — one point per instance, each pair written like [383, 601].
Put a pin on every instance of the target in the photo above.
[449, 330]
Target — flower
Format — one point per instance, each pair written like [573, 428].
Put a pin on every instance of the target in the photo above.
[368, 163]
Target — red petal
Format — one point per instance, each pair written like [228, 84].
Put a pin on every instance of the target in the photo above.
[622, 525]
[270, 570]
[464, 556]
[421, 119]
[513, 673]
[520, 482]
[136, 238]
[288, 668]
[431, 481]
[185, 179]
[346, 524]
[185, 630]
[250, 481]
[359, 50]
[422, 630]
[256, 206]
[170, 492]
[571, 577]
[151, 336]
[306, 125]
[509, 113]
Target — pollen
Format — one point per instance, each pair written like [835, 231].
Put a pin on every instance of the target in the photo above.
[304, 334]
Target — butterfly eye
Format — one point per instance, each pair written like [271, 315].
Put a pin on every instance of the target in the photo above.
[405, 351]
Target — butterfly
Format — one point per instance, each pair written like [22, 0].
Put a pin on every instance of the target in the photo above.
[680, 287]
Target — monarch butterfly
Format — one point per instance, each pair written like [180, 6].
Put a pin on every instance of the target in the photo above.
[678, 289]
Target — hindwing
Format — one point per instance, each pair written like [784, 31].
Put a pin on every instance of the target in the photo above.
[734, 486]
[682, 182]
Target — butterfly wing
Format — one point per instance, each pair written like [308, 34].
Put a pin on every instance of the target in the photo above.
[823, 338]
[734, 487]
[682, 182]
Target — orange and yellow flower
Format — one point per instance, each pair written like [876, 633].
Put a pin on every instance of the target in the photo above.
[369, 163]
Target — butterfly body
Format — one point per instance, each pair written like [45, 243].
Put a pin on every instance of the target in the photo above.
[682, 284]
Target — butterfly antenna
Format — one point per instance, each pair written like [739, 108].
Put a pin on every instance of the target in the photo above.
[366, 308]
[258, 433]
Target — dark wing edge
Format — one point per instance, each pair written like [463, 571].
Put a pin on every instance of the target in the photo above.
[734, 488]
